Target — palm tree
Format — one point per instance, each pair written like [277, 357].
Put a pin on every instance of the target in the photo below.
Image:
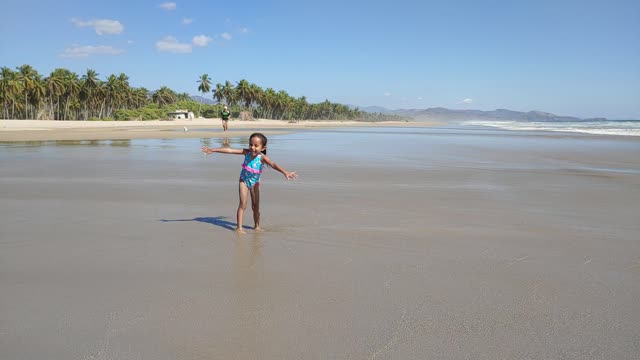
[229, 93]
[90, 84]
[38, 93]
[204, 87]
[141, 96]
[243, 91]
[113, 94]
[257, 94]
[218, 92]
[123, 80]
[126, 92]
[99, 96]
[270, 102]
[164, 96]
[55, 88]
[8, 90]
[183, 97]
[301, 108]
[72, 87]
[283, 102]
[27, 77]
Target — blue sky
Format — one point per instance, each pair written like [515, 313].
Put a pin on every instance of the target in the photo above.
[579, 58]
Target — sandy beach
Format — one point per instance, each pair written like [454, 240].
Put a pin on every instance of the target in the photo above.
[39, 130]
[398, 242]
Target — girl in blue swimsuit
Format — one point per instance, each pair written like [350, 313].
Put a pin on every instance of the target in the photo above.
[254, 158]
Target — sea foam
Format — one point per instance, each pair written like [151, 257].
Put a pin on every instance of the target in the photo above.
[614, 127]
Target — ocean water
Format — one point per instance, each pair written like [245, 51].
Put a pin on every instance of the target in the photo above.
[610, 127]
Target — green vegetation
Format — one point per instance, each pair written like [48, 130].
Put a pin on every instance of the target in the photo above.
[64, 95]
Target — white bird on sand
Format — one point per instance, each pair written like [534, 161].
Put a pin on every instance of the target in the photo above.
[185, 129]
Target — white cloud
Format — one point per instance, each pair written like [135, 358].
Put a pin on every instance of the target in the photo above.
[105, 26]
[78, 51]
[79, 23]
[171, 44]
[387, 94]
[168, 5]
[187, 21]
[201, 40]
[226, 36]
[244, 30]
[101, 26]
[467, 101]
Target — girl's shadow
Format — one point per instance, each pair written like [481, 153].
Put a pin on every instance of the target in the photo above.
[218, 221]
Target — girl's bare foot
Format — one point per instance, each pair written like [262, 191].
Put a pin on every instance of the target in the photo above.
[258, 229]
[240, 231]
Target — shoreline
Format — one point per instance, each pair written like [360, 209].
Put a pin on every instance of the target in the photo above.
[43, 130]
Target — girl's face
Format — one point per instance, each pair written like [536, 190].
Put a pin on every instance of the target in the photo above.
[255, 146]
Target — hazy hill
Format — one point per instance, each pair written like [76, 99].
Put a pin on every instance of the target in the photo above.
[444, 114]
[374, 109]
[203, 100]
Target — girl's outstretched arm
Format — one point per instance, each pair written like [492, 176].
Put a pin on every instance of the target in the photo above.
[288, 175]
[207, 150]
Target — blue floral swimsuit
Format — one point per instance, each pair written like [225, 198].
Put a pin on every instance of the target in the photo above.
[251, 170]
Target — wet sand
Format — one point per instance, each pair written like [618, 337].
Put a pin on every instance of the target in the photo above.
[394, 244]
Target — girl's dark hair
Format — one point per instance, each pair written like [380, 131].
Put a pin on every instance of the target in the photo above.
[262, 138]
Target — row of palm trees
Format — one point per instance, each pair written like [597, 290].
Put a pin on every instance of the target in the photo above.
[65, 95]
[269, 104]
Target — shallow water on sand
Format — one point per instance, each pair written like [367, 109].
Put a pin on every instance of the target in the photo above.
[408, 147]
[405, 243]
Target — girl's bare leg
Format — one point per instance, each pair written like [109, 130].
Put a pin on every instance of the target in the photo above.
[255, 205]
[243, 193]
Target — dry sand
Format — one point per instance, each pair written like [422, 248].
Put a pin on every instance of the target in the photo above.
[38, 130]
[434, 245]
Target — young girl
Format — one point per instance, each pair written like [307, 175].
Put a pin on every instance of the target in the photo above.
[254, 157]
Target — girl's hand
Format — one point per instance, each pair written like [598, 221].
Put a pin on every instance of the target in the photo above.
[206, 150]
[291, 175]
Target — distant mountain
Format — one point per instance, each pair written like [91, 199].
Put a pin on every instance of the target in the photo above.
[203, 100]
[444, 114]
[372, 109]
[377, 109]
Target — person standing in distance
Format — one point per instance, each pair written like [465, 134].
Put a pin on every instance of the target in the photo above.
[225, 114]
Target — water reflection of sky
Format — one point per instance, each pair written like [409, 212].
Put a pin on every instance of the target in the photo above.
[424, 148]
